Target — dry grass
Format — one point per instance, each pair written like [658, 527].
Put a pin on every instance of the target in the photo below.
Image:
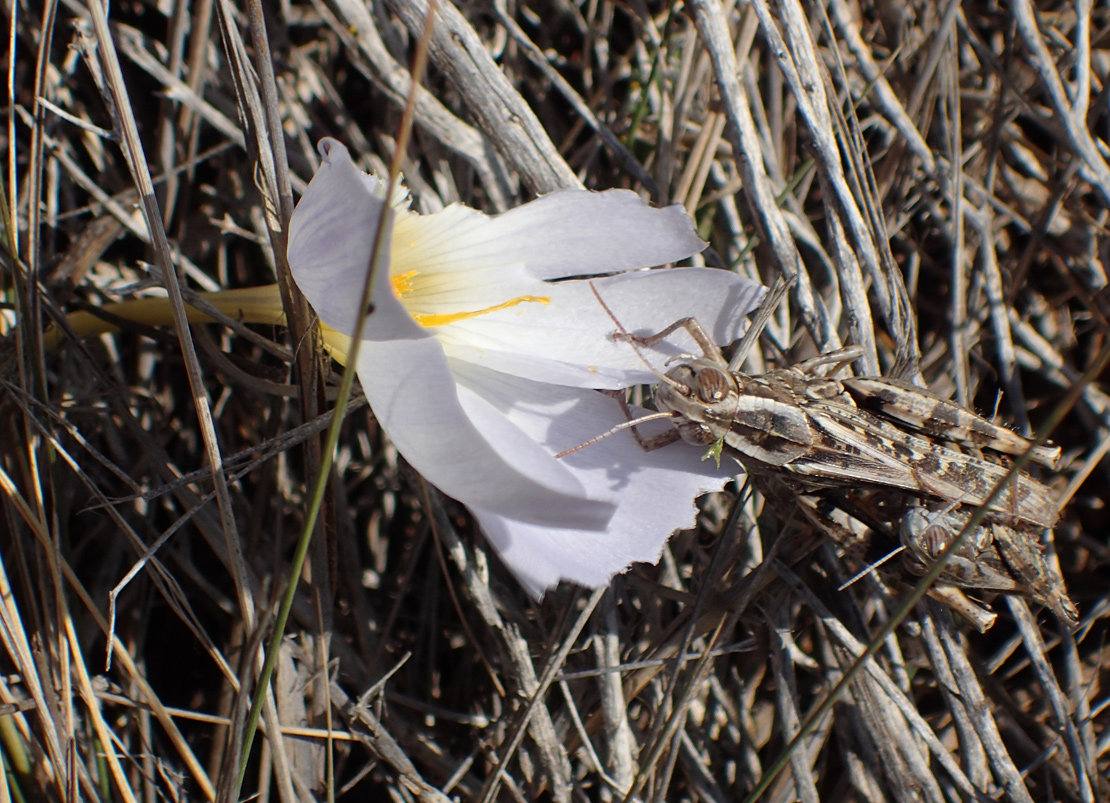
[942, 175]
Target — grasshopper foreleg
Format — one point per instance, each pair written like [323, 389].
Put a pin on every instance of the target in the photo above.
[709, 349]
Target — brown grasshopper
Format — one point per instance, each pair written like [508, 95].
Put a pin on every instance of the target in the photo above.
[816, 433]
[810, 428]
[993, 557]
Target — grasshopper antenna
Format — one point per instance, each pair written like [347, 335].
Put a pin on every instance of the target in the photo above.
[868, 569]
[759, 321]
[630, 424]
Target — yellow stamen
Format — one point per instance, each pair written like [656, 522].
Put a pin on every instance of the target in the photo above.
[444, 319]
[401, 283]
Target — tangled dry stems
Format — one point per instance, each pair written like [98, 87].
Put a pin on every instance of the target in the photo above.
[937, 178]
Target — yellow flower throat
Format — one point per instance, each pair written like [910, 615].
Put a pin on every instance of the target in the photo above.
[402, 284]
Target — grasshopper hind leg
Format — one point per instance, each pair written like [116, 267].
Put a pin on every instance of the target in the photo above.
[1026, 557]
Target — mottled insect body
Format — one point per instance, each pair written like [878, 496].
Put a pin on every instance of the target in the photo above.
[937, 417]
[815, 429]
[856, 447]
[818, 434]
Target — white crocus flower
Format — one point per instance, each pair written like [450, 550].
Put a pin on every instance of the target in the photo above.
[480, 368]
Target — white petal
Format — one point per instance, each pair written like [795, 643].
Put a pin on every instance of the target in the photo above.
[464, 444]
[569, 341]
[566, 233]
[654, 491]
[331, 236]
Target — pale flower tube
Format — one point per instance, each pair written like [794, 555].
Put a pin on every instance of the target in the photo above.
[481, 366]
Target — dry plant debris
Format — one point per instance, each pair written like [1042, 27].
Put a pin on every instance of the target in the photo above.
[935, 175]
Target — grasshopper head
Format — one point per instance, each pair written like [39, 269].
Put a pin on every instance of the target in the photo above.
[703, 395]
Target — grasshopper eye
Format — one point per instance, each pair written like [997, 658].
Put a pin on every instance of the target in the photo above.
[935, 540]
[712, 385]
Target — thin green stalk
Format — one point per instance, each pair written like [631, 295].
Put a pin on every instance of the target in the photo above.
[385, 227]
